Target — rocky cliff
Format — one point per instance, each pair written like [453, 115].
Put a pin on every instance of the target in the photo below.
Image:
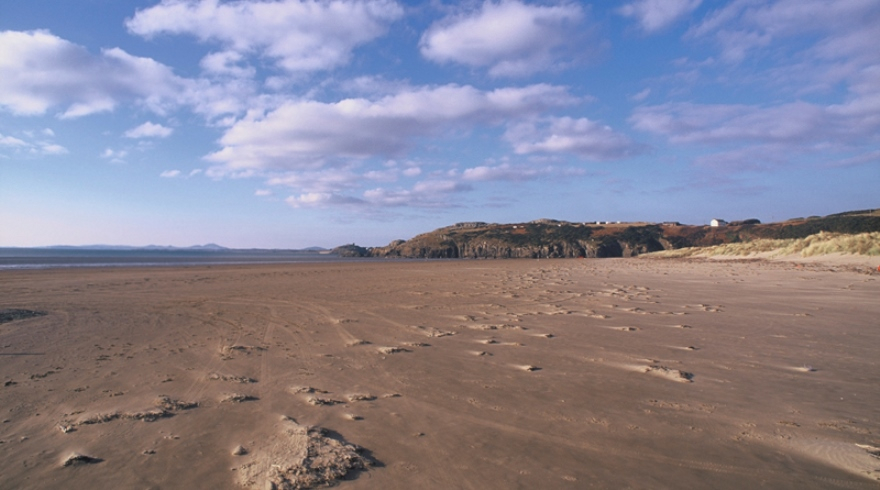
[528, 240]
[548, 238]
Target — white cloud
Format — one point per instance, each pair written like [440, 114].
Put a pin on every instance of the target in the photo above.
[39, 71]
[225, 63]
[262, 192]
[342, 187]
[797, 48]
[11, 141]
[638, 97]
[115, 156]
[170, 174]
[506, 172]
[320, 199]
[510, 37]
[310, 134]
[300, 35]
[582, 137]
[655, 15]
[52, 149]
[756, 135]
[795, 123]
[426, 194]
[39, 147]
[848, 28]
[149, 130]
[326, 181]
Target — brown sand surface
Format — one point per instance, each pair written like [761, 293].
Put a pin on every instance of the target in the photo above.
[608, 373]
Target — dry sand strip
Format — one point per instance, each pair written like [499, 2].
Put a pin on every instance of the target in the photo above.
[607, 373]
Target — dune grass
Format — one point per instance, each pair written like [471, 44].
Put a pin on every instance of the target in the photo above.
[822, 243]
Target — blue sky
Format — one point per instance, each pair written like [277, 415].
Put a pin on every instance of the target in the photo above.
[288, 123]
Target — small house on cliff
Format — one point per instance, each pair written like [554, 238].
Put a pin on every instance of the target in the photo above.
[717, 222]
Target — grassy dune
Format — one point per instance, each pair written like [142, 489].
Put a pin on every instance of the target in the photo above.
[822, 243]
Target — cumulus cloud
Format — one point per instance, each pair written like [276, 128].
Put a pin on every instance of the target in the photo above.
[149, 130]
[310, 134]
[511, 38]
[170, 174]
[39, 71]
[300, 35]
[656, 15]
[582, 137]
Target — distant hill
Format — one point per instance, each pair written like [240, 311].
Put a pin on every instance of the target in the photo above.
[206, 247]
[549, 238]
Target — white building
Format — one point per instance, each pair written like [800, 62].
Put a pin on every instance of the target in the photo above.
[718, 222]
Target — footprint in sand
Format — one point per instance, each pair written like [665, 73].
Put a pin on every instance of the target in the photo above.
[529, 368]
[357, 342]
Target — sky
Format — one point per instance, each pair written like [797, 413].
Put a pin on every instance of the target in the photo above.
[298, 123]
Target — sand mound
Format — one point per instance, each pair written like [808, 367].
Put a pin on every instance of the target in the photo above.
[818, 245]
[230, 377]
[165, 408]
[300, 457]
[76, 459]
[237, 398]
[668, 373]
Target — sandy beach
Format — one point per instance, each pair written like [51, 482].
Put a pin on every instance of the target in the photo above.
[602, 373]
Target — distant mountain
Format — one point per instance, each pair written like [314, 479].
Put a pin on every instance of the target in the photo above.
[207, 247]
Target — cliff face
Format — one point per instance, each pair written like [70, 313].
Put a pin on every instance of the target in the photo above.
[530, 240]
[558, 239]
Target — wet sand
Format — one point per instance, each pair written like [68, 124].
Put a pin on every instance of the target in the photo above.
[607, 373]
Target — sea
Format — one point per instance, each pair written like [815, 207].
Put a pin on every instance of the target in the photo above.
[48, 258]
